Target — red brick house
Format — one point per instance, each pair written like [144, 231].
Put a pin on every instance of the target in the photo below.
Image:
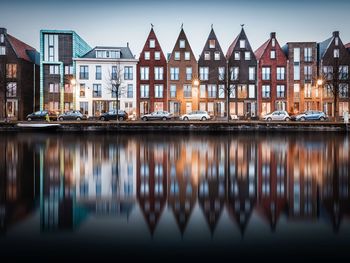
[151, 77]
[272, 76]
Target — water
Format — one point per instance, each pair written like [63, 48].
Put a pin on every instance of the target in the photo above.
[277, 197]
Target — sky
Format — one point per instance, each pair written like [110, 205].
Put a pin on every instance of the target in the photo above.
[114, 22]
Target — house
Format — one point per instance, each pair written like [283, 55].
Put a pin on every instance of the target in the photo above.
[182, 71]
[272, 77]
[242, 77]
[151, 77]
[19, 77]
[212, 68]
[334, 62]
[104, 76]
[57, 68]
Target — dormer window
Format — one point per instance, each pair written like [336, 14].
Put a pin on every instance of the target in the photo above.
[182, 43]
[242, 43]
[212, 43]
[152, 43]
[107, 54]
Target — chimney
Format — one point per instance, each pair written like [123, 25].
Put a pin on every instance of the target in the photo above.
[127, 44]
[3, 30]
[336, 34]
[273, 35]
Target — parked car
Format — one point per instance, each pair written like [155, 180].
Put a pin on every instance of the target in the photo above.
[196, 115]
[42, 115]
[157, 115]
[279, 115]
[72, 115]
[112, 115]
[310, 115]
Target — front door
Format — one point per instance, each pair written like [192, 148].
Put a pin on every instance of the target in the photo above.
[12, 109]
[188, 107]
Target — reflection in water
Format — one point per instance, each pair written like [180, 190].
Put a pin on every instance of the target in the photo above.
[302, 177]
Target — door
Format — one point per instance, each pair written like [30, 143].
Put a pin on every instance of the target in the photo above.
[12, 109]
[188, 107]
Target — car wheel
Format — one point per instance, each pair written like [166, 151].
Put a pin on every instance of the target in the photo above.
[302, 118]
[164, 118]
[60, 118]
[322, 119]
[102, 118]
[29, 119]
[186, 119]
[287, 119]
[121, 118]
[269, 119]
[144, 119]
[203, 119]
[78, 119]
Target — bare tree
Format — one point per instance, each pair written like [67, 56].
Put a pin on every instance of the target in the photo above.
[3, 87]
[223, 80]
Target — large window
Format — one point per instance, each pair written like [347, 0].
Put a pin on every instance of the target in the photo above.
[130, 91]
[281, 73]
[128, 73]
[307, 54]
[84, 72]
[234, 73]
[242, 91]
[202, 91]
[251, 73]
[328, 72]
[308, 73]
[114, 73]
[96, 91]
[308, 90]
[144, 73]
[251, 91]
[54, 69]
[296, 72]
[144, 91]
[281, 91]
[11, 71]
[204, 73]
[11, 90]
[266, 72]
[158, 91]
[187, 91]
[221, 73]
[158, 73]
[188, 73]
[172, 91]
[174, 73]
[265, 91]
[343, 72]
[54, 88]
[212, 91]
[343, 90]
[98, 73]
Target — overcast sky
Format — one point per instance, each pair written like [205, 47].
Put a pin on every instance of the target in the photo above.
[114, 22]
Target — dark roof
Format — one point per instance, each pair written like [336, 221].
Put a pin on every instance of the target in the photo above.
[323, 46]
[22, 50]
[261, 50]
[232, 47]
[211, 36]
[125, 52]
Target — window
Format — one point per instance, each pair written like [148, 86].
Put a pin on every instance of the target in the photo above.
[68, 70]
[280, 71]
[2, 50]
[158, 73]
[96, 91]
[336, 53]
[114, 91]
[147, 55]
[234, 73]
[82, 91]
[308, 73]
[308, 90]
[144, 91]
[232, 90]
[128, 73]
[114, 75]
[212, 91]
[2, 38]
[242, 43]
[98, 73]
[296, 90]
[157, 55]
[272, 54]
[152, 43]
[54, 69]
[187, 91]
[11, 71]
[343, 72]
[177, 55]
[217, 55]
[54, 88]
[247, 55]
[266, 73]
[202, 91]
[222, 91]
[273, 42]
[68, 88]
[206, 55]
[172, 91]
[296, 53]
[237, 55]
[204, 73]
[242, 91]
[251, 91]
[84, 72]
[328, 91]
[84, 107]
[11, 90]
[144, 71]
[158, 91]
[343, 90]
[182, 43]
[188, 73]
[187, 55]
[212, 43]
[251, 73]
[281, 91]
[130, 91]
[336, 41]
[221, 72]
[297, 72]
[174, 73]
[328, 72]
[265, 91]
[307, 54]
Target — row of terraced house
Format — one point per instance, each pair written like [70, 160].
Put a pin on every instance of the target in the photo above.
[295, 77]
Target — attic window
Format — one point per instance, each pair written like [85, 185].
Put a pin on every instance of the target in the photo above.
[212, 43]
[272, 54]
[2, 38]
[206, 55]
[237, 55]
[242, 43]
[336, 53]
[2, 50]
[337, 41]
[217, 55]
[152, 43]
[157, 55]
[273, 42]
[147, 55]
[182, 43]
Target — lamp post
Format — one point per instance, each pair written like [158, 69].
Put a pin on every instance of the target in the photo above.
[320, 85]
[73, 82]
[195, 84]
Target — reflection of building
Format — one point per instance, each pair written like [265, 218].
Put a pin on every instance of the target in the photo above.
[98, 73]
[241, 183]
[152, 181]
[182, 180]
[212, 182]
[19, 74]
[272, 179]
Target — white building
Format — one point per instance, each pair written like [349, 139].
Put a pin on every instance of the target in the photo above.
[97, 72]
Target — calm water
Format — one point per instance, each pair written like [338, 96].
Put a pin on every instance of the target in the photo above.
[281, 197]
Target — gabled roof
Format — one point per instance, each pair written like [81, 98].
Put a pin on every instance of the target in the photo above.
[261, 50]
[211, 36]
[232, 47]
[323, 46]
[125, 52]
[183, 36]
[152, 35]
[21, 49]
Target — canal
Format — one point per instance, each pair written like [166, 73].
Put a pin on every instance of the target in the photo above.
[277, 197]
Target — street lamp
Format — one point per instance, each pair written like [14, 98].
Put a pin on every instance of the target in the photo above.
[73, 82]
[319, 83]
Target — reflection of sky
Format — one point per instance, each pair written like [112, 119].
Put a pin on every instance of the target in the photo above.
[108, 22]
